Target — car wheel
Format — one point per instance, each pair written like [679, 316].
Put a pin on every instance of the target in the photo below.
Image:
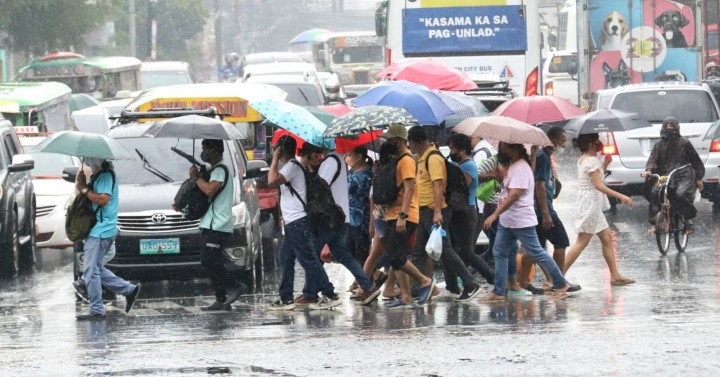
[28, 251]
[10, 249]
[267, 230]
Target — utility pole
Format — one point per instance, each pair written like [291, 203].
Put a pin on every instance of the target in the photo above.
[218, 36]
[131, 22]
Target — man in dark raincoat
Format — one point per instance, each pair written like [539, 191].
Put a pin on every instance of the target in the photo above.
[672, 152]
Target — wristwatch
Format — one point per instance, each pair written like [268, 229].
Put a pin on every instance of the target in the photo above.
[85, 190]
[403, 215]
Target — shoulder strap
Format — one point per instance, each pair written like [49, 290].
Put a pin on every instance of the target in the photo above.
[225, 181]
[483, 149]
[339, 168]
[427, 161]
[292, 189]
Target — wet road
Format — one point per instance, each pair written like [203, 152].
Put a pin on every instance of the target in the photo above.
[666, 324]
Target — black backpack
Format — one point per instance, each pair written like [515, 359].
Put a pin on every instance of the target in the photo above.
[320, 205]
[457, 192]
[191, 201]
[385, 187]
[339, 169]
[80, 217]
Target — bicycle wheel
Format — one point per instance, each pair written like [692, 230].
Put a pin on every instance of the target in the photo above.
[662, 232]
[681, 237]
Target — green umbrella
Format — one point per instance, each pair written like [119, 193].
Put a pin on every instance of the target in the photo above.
[321, 114]
[83, 144]
[82, 101]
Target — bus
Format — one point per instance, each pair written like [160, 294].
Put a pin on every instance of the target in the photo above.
[480, 37]
[101, 77]
[356, 56]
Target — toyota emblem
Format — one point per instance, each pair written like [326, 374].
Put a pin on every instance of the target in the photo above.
[159, 218]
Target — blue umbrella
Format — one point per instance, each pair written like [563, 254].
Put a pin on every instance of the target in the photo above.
[295, 119]
[308, 36]
[418, 100]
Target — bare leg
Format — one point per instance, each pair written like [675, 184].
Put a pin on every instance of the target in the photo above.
[575, 250]
[389, 290]
[403, 281]
[559, 257]
[413, 272]
[609, 255]
[526, 263]
[378, 245]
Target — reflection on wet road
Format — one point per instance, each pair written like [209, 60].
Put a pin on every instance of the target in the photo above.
[666, 324]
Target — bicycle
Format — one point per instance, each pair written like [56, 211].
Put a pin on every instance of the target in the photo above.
[668, 222]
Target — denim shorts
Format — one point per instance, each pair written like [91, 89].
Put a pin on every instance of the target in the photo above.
[381, 227]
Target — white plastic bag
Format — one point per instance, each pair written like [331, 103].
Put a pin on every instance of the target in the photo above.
[435, 243]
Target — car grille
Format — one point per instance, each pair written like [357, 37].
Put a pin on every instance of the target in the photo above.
[143, 223]
[43, 211]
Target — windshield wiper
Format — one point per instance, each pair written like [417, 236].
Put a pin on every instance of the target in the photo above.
[307, 100]
[152, 169]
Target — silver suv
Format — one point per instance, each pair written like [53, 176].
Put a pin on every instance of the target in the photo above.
[695, 108]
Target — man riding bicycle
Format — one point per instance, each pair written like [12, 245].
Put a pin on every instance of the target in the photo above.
[671, 152]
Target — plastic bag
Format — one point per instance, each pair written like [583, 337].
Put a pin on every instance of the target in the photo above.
[434, 245]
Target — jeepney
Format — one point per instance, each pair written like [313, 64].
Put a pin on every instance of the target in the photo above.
[101, 77]
[44, 105]
[231, 100]
[356, 57]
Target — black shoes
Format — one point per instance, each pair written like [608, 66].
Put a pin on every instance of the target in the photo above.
[535, 290]
[81, 290]
[216, 306]
[91, 317]
[574, 288]
[234, 294]
[468, 294]
[130, 299]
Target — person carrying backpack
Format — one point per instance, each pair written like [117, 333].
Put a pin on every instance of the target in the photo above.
[103, 193]
[332, 170]
[299, 241]
[432, 180]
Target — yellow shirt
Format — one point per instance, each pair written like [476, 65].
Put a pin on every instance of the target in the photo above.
[406, 169]
[425, 179]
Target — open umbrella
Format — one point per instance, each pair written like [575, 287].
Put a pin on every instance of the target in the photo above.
[325, 117]
[538, 109]
[462, 106]
[338, 109]
[308, 36]
[417, 99]
[605, 120]
[503, 129]
[367, 119]
[83, 144]
[344, 145]
[428, 72]
[81, 101]
[295, 119]
[194, 127]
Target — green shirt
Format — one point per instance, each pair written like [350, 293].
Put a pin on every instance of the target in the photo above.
[219, 216]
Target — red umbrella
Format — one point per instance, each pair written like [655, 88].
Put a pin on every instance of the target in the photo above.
[428, 72]
[538, 109]
[338, 109]
[61, 55]
[280, 133]
[346, 145]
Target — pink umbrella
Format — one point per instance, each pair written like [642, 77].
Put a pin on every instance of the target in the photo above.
[428, 72]
[538, 109]
[338, 109]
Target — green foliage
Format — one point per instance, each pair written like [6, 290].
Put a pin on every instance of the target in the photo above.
[37, 26]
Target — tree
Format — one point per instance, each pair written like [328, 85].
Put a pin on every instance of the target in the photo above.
[39, 26]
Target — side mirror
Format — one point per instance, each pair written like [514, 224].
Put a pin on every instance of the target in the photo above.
[69, 173]
[350, 95]
[573, 69]
[256, 169]
[21, 162]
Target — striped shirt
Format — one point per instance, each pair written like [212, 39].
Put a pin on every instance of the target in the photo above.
[485, 167]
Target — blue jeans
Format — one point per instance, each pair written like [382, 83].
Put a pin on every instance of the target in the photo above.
[505, 254]
[299, 243]
[337, 242]
[96, 275]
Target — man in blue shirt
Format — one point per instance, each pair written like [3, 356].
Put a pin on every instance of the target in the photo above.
[103, 193]
[217, 224]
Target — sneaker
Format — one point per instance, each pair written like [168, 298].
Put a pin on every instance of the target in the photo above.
[301, 301]
[91, 316]
[521, 292]
[233, 295]
[326, 302]
[398, 304]
[535, 290]
[81, 290]
[424, 293]
[370, 296]
[468, 294]
[280, 305]
[130, 299]
[216, 306]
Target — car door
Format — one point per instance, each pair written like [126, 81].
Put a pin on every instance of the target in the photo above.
[19, 181]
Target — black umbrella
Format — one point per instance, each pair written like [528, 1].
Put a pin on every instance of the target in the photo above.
[605, 120]
[194, 127]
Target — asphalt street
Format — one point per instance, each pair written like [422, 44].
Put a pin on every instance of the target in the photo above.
[667, 324]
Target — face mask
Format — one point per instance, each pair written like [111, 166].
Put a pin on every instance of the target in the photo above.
[598, 146]
[205, 157]
[95, 164]
[455, 157]
[559, 150]
[504, 158]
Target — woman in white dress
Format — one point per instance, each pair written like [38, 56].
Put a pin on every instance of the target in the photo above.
[591, 201]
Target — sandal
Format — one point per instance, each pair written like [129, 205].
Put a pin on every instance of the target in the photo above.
[622, 281]
[689, 228]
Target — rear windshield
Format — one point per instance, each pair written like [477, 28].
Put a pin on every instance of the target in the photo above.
[562, 64]
[688, 106]
[154, 79]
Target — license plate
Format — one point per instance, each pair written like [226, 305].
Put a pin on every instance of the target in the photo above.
[160, 246]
